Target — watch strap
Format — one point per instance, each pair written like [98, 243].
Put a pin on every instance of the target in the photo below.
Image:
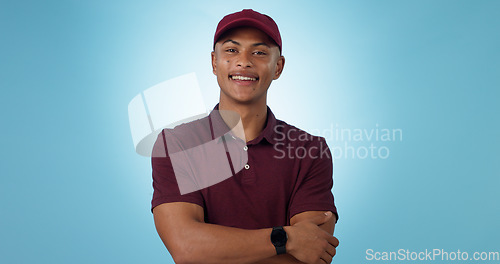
[281, 250]
[280, 245]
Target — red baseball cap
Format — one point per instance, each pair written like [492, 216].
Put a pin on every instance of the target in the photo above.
[249, 18]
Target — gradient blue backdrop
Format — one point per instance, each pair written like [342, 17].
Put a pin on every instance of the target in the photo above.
[72, 189]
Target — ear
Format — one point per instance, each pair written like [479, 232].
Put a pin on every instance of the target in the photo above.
[214, 64]
[279, 67]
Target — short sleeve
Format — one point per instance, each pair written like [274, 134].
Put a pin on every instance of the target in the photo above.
[313, 191]
[165, 187]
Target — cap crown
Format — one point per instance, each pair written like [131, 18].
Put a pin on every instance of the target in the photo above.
[249, 18]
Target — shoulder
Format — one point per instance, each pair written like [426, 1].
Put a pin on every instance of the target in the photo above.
[196, 127]
[191, 134]
[181, 137]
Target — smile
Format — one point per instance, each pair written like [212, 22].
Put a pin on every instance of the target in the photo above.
[242, 78]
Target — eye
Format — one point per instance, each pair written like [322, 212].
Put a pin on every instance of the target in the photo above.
[230, 50]
[260, 53]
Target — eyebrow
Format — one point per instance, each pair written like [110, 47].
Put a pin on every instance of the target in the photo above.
[254, 45]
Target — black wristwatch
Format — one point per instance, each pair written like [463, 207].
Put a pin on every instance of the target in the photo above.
[279, 238]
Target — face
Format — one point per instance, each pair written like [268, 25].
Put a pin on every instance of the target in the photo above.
[246, 61]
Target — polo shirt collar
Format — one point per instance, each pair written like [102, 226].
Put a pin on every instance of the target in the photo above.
[268, 133]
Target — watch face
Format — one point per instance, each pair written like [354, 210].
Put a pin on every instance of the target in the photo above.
[278, 237]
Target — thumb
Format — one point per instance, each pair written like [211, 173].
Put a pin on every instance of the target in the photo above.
[321, 218]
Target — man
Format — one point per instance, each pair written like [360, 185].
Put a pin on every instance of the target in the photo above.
[277, 208]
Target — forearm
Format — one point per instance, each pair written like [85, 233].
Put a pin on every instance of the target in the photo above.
[280, 259]
[289, 259]
[207, 243]
[189, 239]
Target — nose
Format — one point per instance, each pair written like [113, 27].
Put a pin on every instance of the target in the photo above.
[244, 60]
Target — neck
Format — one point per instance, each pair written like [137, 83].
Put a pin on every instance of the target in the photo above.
[253, 117]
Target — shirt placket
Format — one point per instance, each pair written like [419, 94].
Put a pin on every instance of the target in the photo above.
[248, 172]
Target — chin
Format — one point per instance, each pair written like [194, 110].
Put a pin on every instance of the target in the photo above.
[241, 97]
[244, 100]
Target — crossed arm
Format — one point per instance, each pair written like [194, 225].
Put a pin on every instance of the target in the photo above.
[189, 239]
[328, 226]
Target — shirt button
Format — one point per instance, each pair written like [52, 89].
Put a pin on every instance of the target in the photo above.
[247, 166]
[245, 148]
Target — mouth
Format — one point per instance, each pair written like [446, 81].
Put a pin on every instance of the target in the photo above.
[239, 77]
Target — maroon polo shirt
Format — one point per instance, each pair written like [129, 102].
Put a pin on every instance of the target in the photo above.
[283, 172]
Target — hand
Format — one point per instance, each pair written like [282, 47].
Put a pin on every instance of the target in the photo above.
[309, 243]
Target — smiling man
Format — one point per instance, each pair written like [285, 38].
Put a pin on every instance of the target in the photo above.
[275, 209]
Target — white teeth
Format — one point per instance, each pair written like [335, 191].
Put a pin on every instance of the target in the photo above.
[243, 78]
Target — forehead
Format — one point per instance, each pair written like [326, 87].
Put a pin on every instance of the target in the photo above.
[249, 34]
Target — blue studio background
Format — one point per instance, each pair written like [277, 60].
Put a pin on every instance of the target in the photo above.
[73, 190]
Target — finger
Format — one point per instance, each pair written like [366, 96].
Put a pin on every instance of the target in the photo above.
[326, 257]
[321, 261]
[333, 241]
[321, 218]
[331, 250]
